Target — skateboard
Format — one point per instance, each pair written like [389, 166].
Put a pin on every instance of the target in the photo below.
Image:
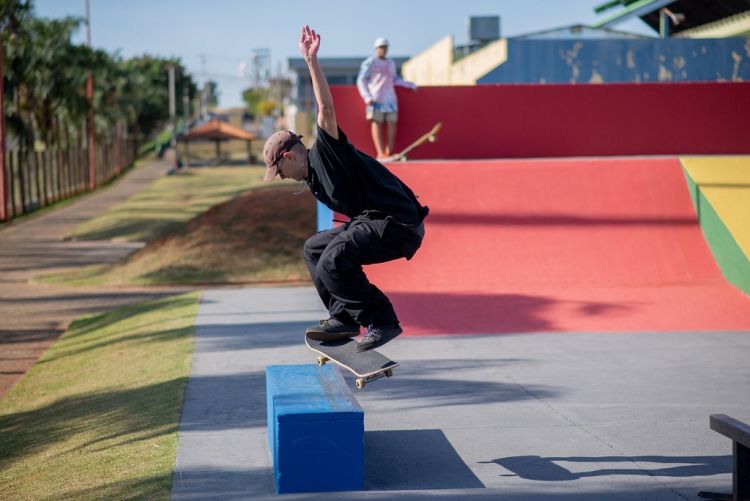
[368, 365]
[431, 136]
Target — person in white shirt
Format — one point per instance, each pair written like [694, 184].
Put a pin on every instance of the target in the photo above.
[376, 84]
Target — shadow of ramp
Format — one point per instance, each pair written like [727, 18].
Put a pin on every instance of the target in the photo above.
[250, 336]
[414, 460]
[412, 387]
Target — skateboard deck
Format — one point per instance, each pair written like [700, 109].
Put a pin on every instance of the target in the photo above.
[368, 365]
[430, 136]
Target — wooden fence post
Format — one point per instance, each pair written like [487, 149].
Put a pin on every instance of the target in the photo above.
[118, 159]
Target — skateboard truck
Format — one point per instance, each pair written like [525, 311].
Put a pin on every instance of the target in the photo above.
[362, 381]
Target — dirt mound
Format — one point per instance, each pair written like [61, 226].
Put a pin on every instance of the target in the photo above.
[255, 237]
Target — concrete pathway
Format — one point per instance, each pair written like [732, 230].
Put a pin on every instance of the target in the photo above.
[520, 417]
[33, 315]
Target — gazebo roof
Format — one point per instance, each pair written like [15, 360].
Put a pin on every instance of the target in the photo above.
[216, 130]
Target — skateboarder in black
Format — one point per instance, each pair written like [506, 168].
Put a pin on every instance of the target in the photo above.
[386, 218]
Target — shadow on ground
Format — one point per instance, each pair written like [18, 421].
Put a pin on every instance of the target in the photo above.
[454, 313]
[421, 384]
[414, 459]
[548, 468]
[117, 414]
[249, 336]
[156, 487]
[235, 401]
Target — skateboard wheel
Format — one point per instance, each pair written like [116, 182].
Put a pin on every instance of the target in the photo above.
[322, 360]
[388, 373]
[360, 383]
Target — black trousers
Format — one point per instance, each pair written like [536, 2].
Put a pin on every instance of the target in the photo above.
[335, 258]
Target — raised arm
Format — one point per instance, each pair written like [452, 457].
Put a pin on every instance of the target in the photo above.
[309, 43]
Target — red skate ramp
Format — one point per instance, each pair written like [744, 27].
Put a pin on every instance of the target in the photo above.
[585, 245]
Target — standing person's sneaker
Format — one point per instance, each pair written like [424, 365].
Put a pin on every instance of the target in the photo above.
[332, 329]
[376, 337]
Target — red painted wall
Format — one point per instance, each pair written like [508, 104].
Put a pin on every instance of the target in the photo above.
[517, 121]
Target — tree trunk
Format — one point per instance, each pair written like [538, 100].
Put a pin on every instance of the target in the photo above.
[15, 201]
[4, 213]
[40, 195]
[69, 183]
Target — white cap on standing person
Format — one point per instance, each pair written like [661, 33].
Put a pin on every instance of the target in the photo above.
[380, 42]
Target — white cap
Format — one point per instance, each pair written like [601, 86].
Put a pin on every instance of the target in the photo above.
[380, 42]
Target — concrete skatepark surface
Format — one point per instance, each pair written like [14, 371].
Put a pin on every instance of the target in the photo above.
[512, 416]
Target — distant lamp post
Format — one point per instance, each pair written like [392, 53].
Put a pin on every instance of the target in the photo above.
[173, 115]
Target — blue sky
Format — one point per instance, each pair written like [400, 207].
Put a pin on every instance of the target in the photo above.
[225, 32]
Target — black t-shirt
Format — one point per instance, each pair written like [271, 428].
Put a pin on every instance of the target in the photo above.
[352, 183]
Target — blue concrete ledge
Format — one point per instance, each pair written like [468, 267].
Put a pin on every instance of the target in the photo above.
[315, 429]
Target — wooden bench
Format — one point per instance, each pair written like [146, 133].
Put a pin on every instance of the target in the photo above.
[315, 429]
[739, 432]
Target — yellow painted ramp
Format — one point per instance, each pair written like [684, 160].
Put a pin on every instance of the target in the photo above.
[725, 182]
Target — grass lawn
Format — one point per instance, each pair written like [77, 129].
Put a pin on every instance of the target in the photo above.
[254, 237]
[168, 203]
[97, 416]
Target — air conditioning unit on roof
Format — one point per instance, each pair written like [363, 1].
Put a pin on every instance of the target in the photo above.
[483, 28]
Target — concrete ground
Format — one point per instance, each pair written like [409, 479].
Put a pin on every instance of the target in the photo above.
[545, 416]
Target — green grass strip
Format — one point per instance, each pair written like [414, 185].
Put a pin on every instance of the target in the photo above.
[169, 202]
[725, 249]
[97, 416]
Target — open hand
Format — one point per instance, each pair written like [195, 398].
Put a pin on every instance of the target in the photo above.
[309, 42]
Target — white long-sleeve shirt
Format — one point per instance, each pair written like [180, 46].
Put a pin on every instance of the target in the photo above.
[377, 80]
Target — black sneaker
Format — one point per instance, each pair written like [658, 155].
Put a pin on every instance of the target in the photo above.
[332, 329]
[376, 337]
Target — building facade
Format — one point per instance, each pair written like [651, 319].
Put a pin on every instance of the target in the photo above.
[695, 41]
